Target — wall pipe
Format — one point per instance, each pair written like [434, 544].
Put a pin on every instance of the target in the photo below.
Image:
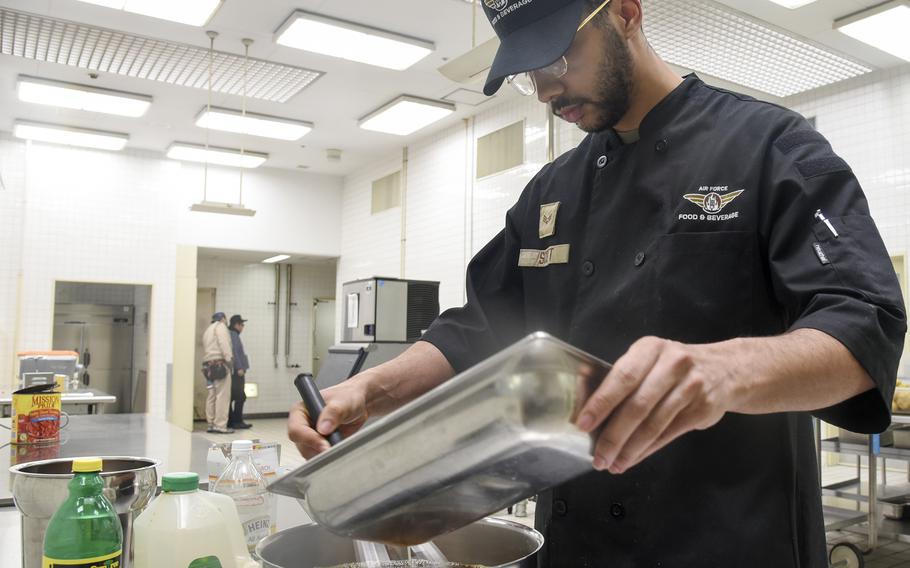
[289, 272]
[275, 303]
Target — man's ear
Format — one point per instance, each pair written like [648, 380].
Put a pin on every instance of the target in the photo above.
[631, 14]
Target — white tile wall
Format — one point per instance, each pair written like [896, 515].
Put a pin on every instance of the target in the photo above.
[248, 289]
[12, 216]
[89, 216]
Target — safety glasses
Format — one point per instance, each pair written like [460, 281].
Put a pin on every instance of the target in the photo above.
[525, 83]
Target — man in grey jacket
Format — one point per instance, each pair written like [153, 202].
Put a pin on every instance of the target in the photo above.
[217, 363]
[238, 379]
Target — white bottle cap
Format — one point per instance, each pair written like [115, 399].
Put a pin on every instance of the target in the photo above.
[241, 446]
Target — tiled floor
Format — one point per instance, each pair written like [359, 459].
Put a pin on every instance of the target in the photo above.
[888, 554]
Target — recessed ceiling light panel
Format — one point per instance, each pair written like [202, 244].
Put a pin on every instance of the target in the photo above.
[92, 48]
[193, 13]
[884, 27]
[229, 120]
[278, 258]
[214, 155]
[69, 136]
[793, 4]
[354, 42]
[81, 97]
[405, 115]
[717, 40]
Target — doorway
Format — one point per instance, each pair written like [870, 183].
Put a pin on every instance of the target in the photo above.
[108, 326]
[323, 330]
[205, 307]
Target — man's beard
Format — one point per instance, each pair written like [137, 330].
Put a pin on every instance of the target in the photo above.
[614, 85]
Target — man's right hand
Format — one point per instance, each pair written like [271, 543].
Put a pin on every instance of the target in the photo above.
[345, 411]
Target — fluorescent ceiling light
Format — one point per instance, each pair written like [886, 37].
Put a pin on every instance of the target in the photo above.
[793, 4]
[214, 155]
[278, 258]
[354, 42]
[883, 27]
[254, 124]
[222, 208]
[81, 97]
[192, 12]
[69, 136]
[405, 115]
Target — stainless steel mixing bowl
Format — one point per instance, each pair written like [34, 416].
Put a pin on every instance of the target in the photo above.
[39, 488]
[493, 543]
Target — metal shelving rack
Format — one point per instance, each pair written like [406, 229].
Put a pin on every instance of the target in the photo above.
[871, 522]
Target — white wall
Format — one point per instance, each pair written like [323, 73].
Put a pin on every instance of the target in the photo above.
[449, 214]
[83, 215]
[248, 289]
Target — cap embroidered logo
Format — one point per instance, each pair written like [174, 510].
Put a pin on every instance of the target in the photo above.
[496, 4]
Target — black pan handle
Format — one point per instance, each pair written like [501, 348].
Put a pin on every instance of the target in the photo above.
[314, 403]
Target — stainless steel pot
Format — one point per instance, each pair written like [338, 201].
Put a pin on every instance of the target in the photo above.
[39, 488]
[494, 543]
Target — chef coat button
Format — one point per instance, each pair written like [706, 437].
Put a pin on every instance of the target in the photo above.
[617, 511]
[639, 259]
[560, 507]
[587, 268]
[661, 146]
[602, 161]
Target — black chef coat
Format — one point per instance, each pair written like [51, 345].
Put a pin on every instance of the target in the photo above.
[702, 231]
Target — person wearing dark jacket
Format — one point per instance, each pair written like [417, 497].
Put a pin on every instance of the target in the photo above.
[719, 253]
[238, 378]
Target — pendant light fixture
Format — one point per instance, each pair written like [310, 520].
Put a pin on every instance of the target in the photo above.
[206, 206]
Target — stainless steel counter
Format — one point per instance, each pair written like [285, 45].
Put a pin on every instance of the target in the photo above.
[111, 435]
[92, 399]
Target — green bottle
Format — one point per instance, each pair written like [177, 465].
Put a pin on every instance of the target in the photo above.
[85, 531]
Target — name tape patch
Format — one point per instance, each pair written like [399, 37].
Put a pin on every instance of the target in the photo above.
[532, 258]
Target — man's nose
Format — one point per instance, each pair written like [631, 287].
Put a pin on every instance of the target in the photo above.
[548, 87]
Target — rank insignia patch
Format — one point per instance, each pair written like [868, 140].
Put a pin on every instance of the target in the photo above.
[713, 202]
[547, 227]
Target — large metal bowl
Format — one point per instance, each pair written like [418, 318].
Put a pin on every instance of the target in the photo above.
[493, 543]
[39, 488]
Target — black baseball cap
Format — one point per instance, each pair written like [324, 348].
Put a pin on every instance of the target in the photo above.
[532, 34]
[236, 318]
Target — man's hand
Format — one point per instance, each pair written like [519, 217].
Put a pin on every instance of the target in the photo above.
[656, 392]
[345, 410]
[241, 372]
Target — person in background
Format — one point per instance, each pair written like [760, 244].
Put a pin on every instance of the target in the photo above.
[238, 379]
[217, 360]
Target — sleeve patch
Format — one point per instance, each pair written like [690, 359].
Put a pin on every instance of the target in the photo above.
[792, 140]
[822, 166]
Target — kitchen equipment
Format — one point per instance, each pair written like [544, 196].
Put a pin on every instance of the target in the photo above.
[39, 488]
[103, 335]
[493, 543]
[895, 507]
[40, 367]
[194, 526]
[388, 309]
[498, 433]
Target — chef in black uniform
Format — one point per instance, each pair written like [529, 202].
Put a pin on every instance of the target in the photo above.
[713, 246]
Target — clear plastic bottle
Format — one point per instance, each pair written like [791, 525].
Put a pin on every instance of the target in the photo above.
[242, 482]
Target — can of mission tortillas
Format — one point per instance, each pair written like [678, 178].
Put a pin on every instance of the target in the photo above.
[36, 415]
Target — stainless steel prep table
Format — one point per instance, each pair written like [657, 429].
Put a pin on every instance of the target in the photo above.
[112, 435]
[93, 399]
[872, 523]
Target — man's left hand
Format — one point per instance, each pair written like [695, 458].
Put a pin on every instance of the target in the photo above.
[656, 392]
[241, 372]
